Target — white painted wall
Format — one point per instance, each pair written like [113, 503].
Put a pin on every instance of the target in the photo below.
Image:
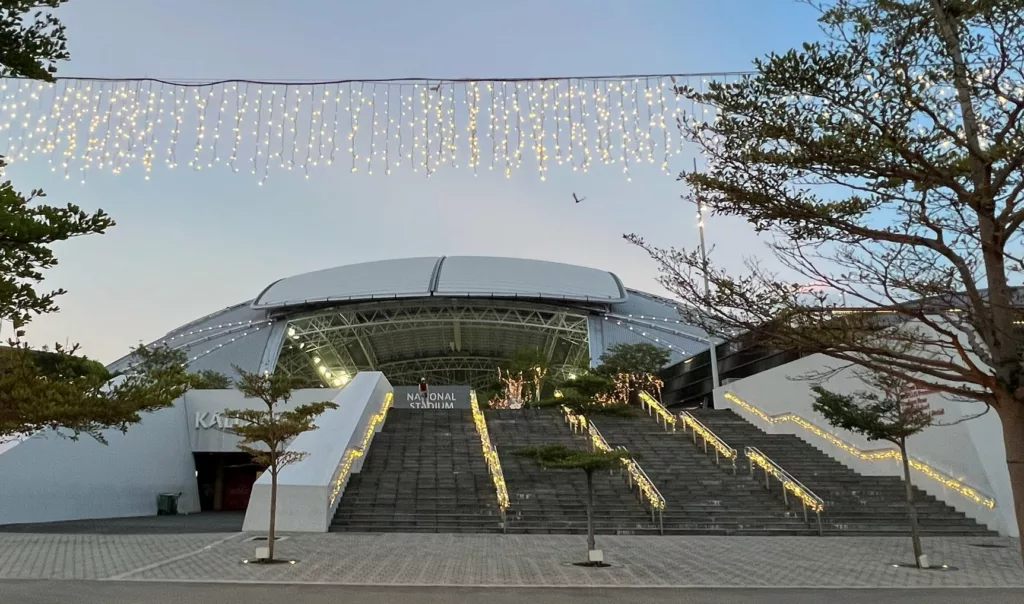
[48, 478]
[304, 488]
[972, 451]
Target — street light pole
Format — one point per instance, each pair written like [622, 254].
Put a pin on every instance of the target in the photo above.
[707, 286]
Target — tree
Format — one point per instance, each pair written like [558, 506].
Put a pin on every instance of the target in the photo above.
[634, 358]
[894, 412]
[31, 49]
[635, 367]
[210, 380]
[533, 365]
[886, 162]
[266, 433]
[562, 457]
[68, 393]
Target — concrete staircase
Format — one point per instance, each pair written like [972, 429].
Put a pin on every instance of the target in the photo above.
[701, 498]
[554, 501]
[425, 472]
[854, 504]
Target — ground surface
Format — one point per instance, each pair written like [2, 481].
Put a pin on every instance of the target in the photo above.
[512, 560]
[206, 522]
[61, 592]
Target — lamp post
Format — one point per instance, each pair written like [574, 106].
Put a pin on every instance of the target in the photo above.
[707, 285]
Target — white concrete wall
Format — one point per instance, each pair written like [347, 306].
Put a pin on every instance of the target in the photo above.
[971, 452]
[304, 488]
[48, 478]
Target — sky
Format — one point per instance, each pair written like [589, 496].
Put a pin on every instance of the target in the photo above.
[189, 243]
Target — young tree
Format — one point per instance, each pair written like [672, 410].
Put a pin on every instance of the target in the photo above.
[210, 380]
[562, 457]
[533, 365]
[67, 393]
[887, 164]
[266, 433]
[893, 412]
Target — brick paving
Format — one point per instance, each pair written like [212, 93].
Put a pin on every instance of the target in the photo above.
[514, 560]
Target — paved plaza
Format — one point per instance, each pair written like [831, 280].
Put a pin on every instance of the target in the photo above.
[512, 560]
[62, 592]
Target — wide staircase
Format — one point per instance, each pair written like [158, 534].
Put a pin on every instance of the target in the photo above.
[425, 472]
[700, 497]
[854, 504]
[554, 501]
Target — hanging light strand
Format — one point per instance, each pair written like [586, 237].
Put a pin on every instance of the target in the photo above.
[113, 125]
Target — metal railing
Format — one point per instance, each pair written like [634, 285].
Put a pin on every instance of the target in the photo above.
[789, 484]
[653, 407]
[491, 457]
[344, 469]
[722, 449]
[944, 479]
[635, 474]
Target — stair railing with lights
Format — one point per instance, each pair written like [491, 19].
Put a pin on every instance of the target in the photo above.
[653, 407]
[353, 453]
[808, 499]
[722, 449]
[491, 457]
[943, 478]
[635, 475]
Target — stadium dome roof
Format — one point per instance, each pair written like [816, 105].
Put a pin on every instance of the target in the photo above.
[447, 276]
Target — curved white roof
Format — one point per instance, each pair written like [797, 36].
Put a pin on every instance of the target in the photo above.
[456, 276]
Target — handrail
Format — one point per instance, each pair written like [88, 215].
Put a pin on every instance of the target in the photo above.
[490, 456]
[651, 404]
[947, 481]
[635, 473]
[806, 496]
[720, 446]
[354, 453]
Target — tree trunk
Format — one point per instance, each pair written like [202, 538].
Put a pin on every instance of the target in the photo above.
[911, 509]
[591, 544]
[273, 510]
[1011, 414]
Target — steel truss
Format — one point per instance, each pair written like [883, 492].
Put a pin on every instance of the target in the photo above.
[444, 340]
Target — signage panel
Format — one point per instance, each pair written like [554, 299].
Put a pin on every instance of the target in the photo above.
[436, 398]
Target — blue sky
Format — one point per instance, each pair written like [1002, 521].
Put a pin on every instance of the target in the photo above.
[189, 243]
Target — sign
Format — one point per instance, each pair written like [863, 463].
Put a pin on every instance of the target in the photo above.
[213, 419]
[437, 397]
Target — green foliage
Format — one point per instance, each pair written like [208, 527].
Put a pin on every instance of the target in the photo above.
[210, 380]
[266, 432]
[27, 231]
[61, 391]
[893, 415]
[588, 386]
[561, 457]
[32, 40]
[634, 358]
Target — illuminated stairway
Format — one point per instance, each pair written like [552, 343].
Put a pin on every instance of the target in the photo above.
[700, 497]
[854, 504]
[425, 472]
[554, 501]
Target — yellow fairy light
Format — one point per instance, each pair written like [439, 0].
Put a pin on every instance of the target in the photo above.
[354, 453]
[872, 455]
[490, 453]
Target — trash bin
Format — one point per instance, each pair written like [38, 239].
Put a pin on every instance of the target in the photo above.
[167, 504]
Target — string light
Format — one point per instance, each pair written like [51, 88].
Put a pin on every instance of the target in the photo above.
[116, 125]
[490, 453]
[354, 453]
[873, 455]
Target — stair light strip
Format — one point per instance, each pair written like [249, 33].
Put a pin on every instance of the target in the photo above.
[945, 480]
[640, 478]
[812, 501]
[490, 453]
[658, 408]
[354, 453]
[708, 436]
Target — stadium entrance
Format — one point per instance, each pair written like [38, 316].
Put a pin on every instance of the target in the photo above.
[225, 480]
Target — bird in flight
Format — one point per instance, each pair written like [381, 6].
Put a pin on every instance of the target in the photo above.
[578, 199]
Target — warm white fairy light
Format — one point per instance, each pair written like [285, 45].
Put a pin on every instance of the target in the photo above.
[80, 126]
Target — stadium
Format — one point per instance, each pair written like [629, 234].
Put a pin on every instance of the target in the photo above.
[451, 320]
[363, 336]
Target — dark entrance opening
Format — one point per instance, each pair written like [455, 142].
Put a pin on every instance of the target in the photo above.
[225, 480]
